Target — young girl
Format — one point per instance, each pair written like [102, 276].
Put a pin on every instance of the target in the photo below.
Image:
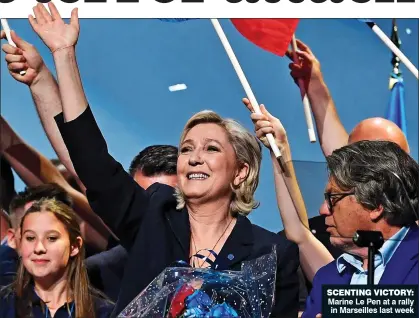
[51, 279]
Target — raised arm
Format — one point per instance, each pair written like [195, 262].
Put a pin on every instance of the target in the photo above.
[5, 224]
[44, 90]
[35, 169]
[313, 255]
[32, 166]
[111, 191]
[61, 39]
[330, 130]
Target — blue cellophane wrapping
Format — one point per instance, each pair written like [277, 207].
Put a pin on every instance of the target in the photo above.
[183, 292]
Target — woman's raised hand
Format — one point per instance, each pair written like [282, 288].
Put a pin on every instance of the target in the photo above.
[51, 28]
[265, 123]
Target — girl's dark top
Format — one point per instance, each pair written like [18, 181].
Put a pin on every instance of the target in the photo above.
[151, 229]
[9, 303]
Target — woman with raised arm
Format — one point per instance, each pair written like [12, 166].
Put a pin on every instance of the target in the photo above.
[218, 173]
[51, 280]
[313, 254]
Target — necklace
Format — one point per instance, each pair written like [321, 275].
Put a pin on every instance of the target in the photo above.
[211, 251]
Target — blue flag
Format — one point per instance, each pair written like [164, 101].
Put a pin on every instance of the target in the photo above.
[396, 109]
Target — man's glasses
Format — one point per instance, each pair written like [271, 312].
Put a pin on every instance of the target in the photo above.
[328, 196]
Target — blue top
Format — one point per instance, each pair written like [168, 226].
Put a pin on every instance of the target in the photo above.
[8, 304]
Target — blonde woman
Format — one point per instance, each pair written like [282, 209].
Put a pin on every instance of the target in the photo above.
[218, 172]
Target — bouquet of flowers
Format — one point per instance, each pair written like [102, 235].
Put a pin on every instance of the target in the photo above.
[185, 292]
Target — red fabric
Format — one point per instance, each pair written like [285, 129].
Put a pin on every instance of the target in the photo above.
[178, 302]
[273, 35]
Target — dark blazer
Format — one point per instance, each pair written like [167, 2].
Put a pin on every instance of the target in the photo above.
[318, 228]
[9, 262]
[402, 269]
[303, 293]
[106, 270]
[7, 184]
[153, 231]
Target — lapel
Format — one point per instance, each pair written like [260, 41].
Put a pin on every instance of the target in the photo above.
[238, 245]
[179, 223]
[330, 274]
[345, 277]
[402, 261]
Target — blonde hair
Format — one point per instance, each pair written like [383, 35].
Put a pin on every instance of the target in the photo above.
[78, 282]
[247, 150]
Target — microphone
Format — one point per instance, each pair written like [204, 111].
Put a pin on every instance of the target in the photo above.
[368, 238]
[374, 241]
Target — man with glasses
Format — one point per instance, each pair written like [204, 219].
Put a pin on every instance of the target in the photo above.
[373, 186]
[330, 130]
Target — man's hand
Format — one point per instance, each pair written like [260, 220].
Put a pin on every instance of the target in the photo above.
[51, 28]
[308, 68]
[23, 57]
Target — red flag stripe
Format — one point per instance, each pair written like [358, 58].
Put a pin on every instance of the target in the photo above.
[273, 35]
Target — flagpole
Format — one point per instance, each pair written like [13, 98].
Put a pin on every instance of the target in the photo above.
[246, 86]
[396, 110]
[393, 48]
[6, 29]
[306, 102]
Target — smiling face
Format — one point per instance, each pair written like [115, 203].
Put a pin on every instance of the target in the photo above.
[207, 164]
[45, 246]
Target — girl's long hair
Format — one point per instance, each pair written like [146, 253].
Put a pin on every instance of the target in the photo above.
[78, 282]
